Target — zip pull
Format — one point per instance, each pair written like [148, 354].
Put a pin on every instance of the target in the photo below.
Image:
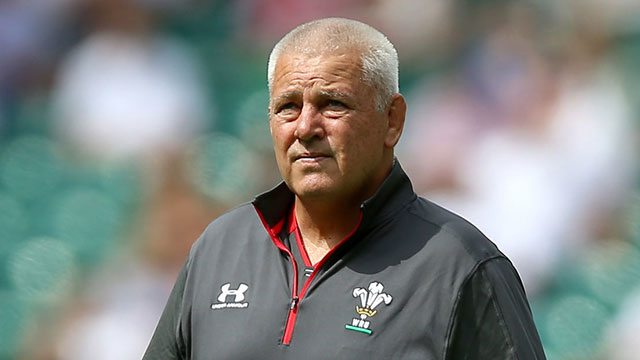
[294, 302]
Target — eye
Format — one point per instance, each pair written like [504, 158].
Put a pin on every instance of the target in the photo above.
[288, 110]
[336, 104]
[286, 107]
[334, 108]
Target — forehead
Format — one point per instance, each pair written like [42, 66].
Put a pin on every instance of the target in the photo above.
[295, 70]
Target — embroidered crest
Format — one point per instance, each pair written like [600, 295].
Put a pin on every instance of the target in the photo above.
[369, 300]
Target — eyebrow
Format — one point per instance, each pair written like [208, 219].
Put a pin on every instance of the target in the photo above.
[326, 94]
[286, 97]
[335, 94]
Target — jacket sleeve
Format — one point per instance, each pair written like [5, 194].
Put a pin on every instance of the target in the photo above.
[492, 319]
[169, 341]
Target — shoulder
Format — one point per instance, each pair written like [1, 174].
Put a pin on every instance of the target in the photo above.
[231, 230]
[453, 232]
[233, 219]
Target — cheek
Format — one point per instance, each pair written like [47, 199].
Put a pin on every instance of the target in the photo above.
[277, 142]
[282, 141]
[366, 149]
[280, 136]
[362, 139]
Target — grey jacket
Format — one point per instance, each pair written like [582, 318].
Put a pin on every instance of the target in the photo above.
[414, 281]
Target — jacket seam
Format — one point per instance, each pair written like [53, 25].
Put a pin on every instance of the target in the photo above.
[505, 328]
[452, 315]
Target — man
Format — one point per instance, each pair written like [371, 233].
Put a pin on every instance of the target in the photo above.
[342, 260]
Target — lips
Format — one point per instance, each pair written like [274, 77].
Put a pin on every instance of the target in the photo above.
[311, 156]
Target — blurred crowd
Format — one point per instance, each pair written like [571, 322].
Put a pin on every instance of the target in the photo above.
[126, 126]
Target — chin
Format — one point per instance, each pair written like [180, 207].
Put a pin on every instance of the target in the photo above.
[313, 192]
[314, 189]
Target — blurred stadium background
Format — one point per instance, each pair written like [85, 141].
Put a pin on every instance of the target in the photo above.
[126, 126]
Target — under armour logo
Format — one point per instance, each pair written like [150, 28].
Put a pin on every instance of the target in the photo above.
[237, 293]
[237, 299]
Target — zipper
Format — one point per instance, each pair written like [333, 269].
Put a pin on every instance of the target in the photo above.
[293, 305]
[294, 302]
[295, 296]
[295, 299]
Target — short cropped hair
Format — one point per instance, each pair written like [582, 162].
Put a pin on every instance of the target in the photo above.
[379, 59]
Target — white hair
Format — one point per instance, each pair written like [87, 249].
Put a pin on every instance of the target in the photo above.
[379, 59]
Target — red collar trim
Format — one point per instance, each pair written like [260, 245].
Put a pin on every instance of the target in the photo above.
[293, 228]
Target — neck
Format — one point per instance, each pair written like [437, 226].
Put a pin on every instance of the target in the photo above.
[322, 227]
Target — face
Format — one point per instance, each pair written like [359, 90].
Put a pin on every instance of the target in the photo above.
[330, 141]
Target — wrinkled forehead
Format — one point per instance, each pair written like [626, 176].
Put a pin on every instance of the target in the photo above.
[297, 67]
[316, 44]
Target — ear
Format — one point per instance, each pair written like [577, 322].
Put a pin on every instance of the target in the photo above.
[395, 115]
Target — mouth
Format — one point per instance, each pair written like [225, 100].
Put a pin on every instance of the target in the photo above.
[310, 157]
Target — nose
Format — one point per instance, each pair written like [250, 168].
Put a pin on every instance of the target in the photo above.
[309, 124]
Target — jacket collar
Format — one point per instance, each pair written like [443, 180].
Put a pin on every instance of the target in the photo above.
[395, 193]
